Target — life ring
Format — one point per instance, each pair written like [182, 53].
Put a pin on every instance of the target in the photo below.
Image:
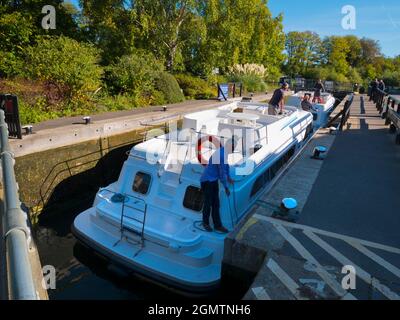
[214, 140]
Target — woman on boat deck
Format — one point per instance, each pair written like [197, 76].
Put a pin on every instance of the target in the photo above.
[216, 170]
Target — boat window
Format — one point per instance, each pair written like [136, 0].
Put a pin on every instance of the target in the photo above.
[194, 199]
[271, 172]
[267, 176]
[258, 185]
[275, 168]
[288, 155]
[141, 184]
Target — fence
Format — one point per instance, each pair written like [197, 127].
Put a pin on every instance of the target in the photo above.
[16, 231]
[344, 115]
[301, 84]
[391, 111]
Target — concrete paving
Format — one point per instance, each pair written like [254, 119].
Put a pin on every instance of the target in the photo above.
[348, 218]
[358, 189]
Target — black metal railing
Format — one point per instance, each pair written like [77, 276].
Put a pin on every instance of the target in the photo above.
[391, 112]
[378, 96]
[9, 104]
[300, 84]
[344, 114]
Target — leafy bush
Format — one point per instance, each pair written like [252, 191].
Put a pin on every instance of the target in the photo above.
[15, 31]
[14, 37]
[167, 85]
[216, 79]
[116, 103]
[34, 113]
[195, 88]
[10, 64]
[133, 75]
[70, 64]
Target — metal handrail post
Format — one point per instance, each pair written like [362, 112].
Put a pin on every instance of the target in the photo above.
[16, 232]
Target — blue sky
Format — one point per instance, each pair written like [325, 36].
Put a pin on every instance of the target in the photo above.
[376, 19]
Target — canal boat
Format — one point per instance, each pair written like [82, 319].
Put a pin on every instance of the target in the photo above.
[150, 220]
[321, 110]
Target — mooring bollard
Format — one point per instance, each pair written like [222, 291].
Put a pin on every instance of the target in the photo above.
[318, 152]
[28, 129]
[287, 210]
[87, 120]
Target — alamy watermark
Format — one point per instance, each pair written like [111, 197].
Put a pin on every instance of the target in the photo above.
[201, 147]
[49, 277]
[349, 21]
[349, 280]
[49, 20]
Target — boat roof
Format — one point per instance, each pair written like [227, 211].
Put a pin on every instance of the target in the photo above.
[218, 122]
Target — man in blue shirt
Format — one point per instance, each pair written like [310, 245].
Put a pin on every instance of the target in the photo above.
[216, 170]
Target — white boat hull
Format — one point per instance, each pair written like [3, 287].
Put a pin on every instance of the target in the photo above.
[169, 246]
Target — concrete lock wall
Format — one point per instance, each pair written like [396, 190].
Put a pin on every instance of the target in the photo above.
[66, 177]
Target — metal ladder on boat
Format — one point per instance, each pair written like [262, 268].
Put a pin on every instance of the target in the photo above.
[142, 222]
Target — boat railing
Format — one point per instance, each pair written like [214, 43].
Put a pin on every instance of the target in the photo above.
[124, 205]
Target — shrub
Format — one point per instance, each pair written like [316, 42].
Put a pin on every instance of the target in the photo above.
[249, 68]
[216, 79]
[117, 103]
[133, 74]
[70, 64]
[34, 113]
[10, 64]
[195, 88]
[15, 31]
[353, 76]
[251, 75]
[14, 37]
[167, 85]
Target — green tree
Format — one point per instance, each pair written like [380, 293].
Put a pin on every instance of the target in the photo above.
[354, 54]
[110, 25]
[370, 50]
[337, 50]
[161, 23]
[239, 32]
[303, 51]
